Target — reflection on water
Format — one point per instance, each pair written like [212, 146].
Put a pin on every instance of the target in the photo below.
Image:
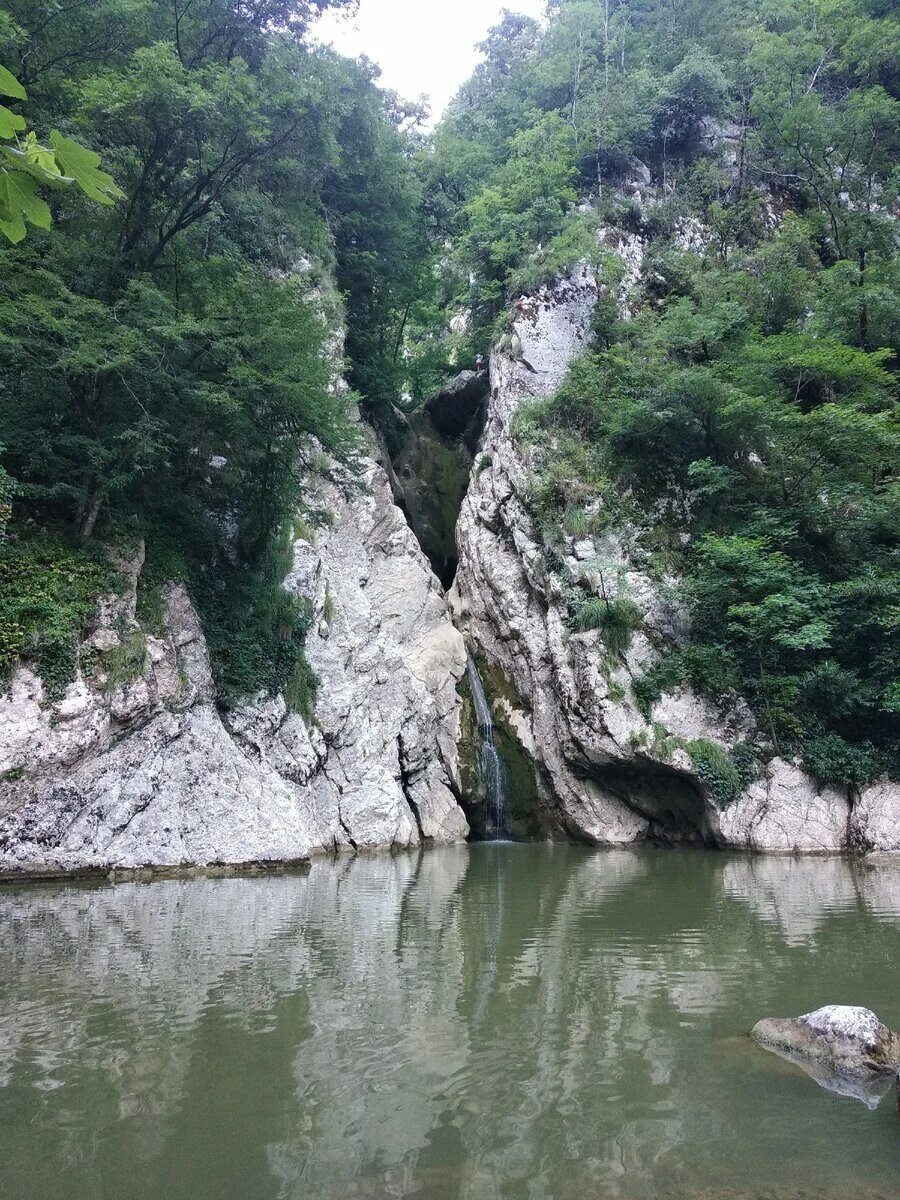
[869, 1087]
[466, 1024]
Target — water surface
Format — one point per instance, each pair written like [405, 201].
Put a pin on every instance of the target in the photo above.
[528, 1022]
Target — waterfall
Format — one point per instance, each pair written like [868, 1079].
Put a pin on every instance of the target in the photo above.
[490, 764]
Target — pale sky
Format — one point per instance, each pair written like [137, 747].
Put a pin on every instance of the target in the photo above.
[422, 46]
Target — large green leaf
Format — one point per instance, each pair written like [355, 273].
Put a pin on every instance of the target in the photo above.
[10, 86]
[35, 160]
[19, 201]
[40, 156]
[83, 166]
[21, 162]
[10, 123]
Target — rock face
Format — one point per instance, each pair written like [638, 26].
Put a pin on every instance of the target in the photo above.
[433, 465]
[842, 1038]
[611, 775]
[875, 819]
[787, 811]
[499, 596]
[150, 773]
[389, 659]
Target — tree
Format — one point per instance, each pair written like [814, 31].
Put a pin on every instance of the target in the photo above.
[169, 367]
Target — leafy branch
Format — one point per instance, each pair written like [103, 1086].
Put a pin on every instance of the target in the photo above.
[27, 166]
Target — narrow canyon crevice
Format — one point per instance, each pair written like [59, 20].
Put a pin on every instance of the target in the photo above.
[434, 462]
[431, 469]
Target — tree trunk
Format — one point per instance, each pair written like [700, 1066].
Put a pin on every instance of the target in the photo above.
[863, 306]
[93, 512]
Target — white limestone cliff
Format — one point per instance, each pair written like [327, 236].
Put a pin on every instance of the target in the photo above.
[598, 761]
[151, 773]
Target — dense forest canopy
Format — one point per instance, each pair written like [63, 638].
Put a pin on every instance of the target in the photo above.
[167, 361]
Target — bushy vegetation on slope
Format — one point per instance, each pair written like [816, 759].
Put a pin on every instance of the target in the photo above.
[164, 359]
[744, 416]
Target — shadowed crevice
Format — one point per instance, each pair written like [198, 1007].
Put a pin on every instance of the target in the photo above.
[434, 463]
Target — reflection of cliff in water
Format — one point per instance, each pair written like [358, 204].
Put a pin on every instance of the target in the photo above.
[525, 1021]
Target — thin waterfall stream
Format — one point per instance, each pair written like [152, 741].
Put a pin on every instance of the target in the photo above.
[490, 764]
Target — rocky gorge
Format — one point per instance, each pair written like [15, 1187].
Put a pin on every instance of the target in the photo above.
[430, 557]
[150, 773]
[449, 625]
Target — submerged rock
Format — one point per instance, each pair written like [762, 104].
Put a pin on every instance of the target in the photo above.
[869, 1088]
[839, 1038]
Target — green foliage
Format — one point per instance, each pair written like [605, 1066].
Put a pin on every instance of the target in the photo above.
[119, 407]
[832, 757]
[373, 202]
[666, 675]
[616, 619]
[256, 631]
[150, 608]
[663, 744]
[718, 771]
[165, 366]
[168, 365]
[660, 551]
[576, 521]
[26, 166]
[121, 664]
[7, 492]
[790, 517]
[526, 204]
[806, 93]
[743, 418]
[575, 242]
[48, 592]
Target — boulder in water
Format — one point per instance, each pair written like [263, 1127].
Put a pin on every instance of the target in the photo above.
[839, 1037]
